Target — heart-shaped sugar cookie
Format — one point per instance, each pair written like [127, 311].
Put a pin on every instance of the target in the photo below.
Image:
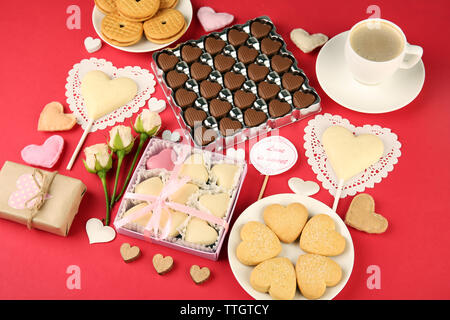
[258, 244]
[217, 204]
[129, 253]
[307, 42]
[361, 215]
[287, 222]
[183, 194]
[350, 155]
[199, 275]
[152, 186]
[194, 167]
[225, 174]
[320, 237]
[53, 118]
[162, 264]
[103, 95]
[315, 273]
[276, 276]
[199, 231]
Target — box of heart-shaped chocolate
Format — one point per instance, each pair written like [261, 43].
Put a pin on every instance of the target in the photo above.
[233, 85]
[181, 197]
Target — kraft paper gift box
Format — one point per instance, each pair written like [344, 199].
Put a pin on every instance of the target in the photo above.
[39, 199]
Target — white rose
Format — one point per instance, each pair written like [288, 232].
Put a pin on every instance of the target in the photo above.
[97, 156]
[148, 122]
[120, 138]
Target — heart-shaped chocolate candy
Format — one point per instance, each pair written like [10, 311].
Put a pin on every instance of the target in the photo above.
[190, 53]
[167, 61]
[233, 81]
[223, 63]
[236, 37]
[228, 126]
[243, 99]
[259, 29]
[278, 108]
[303, 99]
[214, 45]
[291, 81]
[194, 117]
[270, 46]
[219, 108]
[246, 54]
[200, 71]
[257, 72]
[253, 118]
[267, 90]
[204, 136]
[185, 98]
[281, 63]
[209, 89]
[176, 79]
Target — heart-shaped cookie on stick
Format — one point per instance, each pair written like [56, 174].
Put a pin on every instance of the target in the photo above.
[350, 155]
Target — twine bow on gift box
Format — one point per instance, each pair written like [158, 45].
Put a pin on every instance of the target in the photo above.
[40, 197]
[156, 204]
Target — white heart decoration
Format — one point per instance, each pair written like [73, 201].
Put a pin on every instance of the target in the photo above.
[307, 42]
[156, 105]
[212, 20]
[92, 45]
[98, 233]
[238, 154]
[305, 188]
[171, 136]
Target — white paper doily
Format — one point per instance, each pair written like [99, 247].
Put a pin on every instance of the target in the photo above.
[317, 158]
[143, 78]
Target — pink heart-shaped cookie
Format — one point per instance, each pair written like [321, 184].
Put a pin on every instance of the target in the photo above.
[212, 20]
[45, 155]
[162, 160]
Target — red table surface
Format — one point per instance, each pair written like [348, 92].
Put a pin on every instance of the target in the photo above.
[37, 52]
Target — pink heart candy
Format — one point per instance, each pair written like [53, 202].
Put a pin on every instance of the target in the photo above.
[162, 160]
[212, 20]
[45, 155]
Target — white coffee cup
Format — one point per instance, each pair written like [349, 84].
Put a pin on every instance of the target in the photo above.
[372, 72]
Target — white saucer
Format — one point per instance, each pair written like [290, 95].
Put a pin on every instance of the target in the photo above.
[290, 250]
[339, 84]
[184, 6]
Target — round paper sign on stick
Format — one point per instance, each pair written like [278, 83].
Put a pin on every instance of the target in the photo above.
[271, 156]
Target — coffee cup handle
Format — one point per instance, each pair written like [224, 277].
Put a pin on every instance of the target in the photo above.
[412, 56]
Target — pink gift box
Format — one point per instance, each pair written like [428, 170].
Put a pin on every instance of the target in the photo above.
[183, 151]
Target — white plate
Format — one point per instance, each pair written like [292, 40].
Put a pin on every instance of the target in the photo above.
[291, 250]
[338, 83]
[184, 6]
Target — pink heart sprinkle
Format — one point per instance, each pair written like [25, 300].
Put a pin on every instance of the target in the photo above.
[162, 160]
[45, 155]
[212, 20]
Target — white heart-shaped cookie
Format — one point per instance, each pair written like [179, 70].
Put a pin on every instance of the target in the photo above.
[103, 95]
[217, 204]
[307, 42]
[305, 188]
[92, 45]
[225, 174]
[194, 167]
[350, 155]
[199, 231]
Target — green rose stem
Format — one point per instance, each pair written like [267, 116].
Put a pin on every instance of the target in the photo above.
[120, 157]
[143, 137]
[102, 175]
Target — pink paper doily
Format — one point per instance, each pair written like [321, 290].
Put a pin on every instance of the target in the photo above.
[144, 79]
[318, 161]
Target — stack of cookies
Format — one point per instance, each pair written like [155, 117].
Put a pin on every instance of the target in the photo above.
[127, 20]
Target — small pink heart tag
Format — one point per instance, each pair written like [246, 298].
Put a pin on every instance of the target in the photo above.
[45, 155]
[212, 20]
[26, 189]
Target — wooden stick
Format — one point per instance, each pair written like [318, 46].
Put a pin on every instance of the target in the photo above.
[338, 194]
[263, 188]
[80, 144]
